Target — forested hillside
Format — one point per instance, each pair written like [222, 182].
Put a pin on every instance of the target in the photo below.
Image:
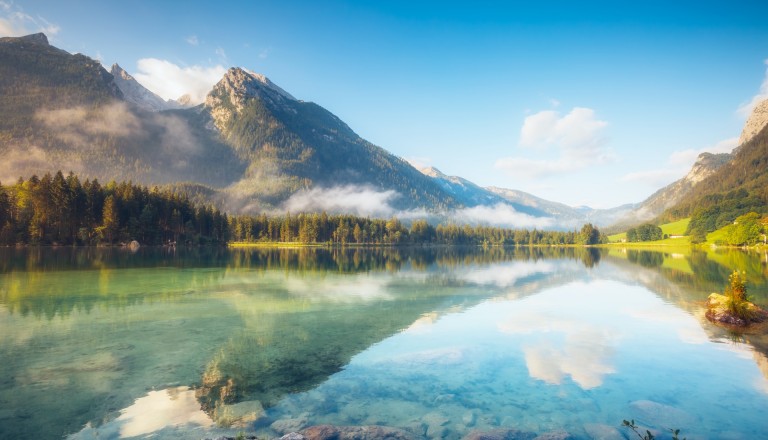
[63, 210]
[291, 145]
[60, 210]
[736, 188]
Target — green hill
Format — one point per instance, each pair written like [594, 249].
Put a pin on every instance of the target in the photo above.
[735, 189]
[677, 229]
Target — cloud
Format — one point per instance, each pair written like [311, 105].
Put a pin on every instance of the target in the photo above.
[171, 81]
[14, 22]
[506, 274]
[351, 199]
[265, 53]
[585, 356]
[192, 40]
[579, 129]
[366, 201]
[76, 125]
[568, 340]
[221, 53]
[678, 164]
[502, 215]
[80, 126]
[359, 288]
[654, 178]
[150, 413]
[24, 161]
[578, 138]
[746, 109]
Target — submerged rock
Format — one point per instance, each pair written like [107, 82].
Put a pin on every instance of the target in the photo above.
[239, 415]
[500, 434]
[285, 426]
[597, 431]
[329, 432]
[555, 435]
[661, 416]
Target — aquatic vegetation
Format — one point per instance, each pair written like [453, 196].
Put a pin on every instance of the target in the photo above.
[733, 306]
[648, 436]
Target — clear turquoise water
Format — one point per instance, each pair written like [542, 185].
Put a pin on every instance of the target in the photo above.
[108, 344]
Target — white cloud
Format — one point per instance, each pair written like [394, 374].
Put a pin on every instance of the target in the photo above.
[505, 274]
[153, 412]
[14, 22]
[579, 129]
[746, 109]
[655, 178]
[171, 81]
[363, 201]
[221, 53]
[678, 164]
[502, 215]
[265, 53]
[585, 356]
[577, 136]
[192, 40]
[363, 288]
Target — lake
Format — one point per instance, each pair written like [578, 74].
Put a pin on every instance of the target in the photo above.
[197, 343]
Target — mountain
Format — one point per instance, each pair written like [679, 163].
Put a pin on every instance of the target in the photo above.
[735, 188]
[292, 146]
[251, 146]
[665, 198]
[470, 194]
[567, 216]
[137, 94]
[35, 75]
[563, 216]
[64, 111]
[757, 120]
[712, 177]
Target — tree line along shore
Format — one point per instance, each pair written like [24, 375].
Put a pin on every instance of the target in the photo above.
[63, 210]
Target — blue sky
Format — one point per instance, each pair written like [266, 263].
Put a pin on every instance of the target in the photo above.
[597, 103]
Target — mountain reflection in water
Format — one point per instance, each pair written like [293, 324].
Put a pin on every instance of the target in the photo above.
[362, 336]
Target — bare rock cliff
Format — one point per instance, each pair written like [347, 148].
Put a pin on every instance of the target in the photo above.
[756, 122]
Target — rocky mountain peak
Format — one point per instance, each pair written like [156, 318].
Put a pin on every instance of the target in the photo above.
[239, 84]
[38, 38]
[755, 123]
[137, 94]
[116, 71]
[706, 164]
[184, 100]
[433, 172]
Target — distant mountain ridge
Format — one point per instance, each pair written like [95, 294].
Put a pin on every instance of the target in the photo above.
[250, 147]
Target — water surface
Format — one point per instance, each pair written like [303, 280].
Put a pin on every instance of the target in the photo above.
[194, 343]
